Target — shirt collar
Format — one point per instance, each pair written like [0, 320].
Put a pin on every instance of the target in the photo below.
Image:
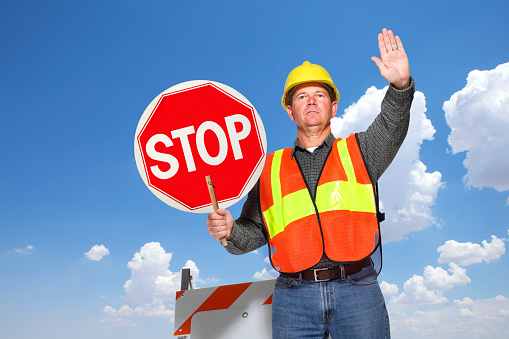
[328, 142]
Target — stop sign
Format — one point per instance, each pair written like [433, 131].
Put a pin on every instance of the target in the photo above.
[194, 129]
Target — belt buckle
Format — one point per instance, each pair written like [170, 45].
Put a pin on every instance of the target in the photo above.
[319, 269]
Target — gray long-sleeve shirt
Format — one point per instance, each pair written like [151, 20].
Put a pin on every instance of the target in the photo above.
[378, 144]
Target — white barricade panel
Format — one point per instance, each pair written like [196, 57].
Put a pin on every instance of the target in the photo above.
[226, 310]
[233, 323]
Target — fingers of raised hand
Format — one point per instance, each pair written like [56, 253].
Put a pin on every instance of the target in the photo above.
[381, 44]
[392, 40]
[387, 42]
[400, 44]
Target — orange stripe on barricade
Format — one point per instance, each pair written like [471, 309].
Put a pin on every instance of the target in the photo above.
[179, 293]
[268, 301]
[223, 297]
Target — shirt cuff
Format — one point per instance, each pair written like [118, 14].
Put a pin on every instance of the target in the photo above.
[235, 235]
[404, 94]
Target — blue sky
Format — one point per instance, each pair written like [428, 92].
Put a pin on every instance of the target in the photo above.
[76, 76]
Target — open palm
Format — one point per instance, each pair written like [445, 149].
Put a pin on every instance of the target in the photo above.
[393, 62]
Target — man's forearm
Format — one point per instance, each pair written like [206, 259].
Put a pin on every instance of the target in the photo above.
[381, 141]
[248, 230]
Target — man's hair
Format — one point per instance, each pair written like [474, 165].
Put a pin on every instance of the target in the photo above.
[330, 91]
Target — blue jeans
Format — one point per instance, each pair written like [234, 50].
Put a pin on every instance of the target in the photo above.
[348, 307]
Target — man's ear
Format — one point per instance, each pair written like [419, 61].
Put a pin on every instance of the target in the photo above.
[290, 112]
[334, 108]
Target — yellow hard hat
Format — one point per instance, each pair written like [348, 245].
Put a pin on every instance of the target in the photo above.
[307, 72]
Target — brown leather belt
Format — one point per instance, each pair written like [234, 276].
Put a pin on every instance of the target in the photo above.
[326, 274]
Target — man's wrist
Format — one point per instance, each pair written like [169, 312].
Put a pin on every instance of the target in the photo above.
[405, 94]
[402, 85]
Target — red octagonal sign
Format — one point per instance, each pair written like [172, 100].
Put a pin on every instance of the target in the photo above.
[195, 129]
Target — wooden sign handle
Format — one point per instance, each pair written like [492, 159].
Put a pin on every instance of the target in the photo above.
[214, 202]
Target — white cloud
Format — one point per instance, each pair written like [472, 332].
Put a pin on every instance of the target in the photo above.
[152, 284]
[97, 252]
[154, 309]
[408, 208]
[465, 302]
[428, 289]
[465, 254]
[465, 312]
[389, 290]
[478, 116]
[469, 318]
[266, 274]
[150, 275]
[27, 250]
[500, 298]
[416, 293]
[438, 279]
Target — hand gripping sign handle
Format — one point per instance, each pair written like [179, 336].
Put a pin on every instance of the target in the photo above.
[214, 202]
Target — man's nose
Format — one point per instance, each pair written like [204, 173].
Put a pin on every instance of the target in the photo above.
[311, 101]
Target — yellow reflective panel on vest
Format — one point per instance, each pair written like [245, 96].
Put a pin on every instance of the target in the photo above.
[344, 155]
[333, 196]
[274, 177]
[293, 207]
[274, 216]
[330, 196]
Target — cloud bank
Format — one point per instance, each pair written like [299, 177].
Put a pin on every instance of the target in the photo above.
[151, 283]
[467, 318]
[421, 309]
[478, 116]
[150, 292]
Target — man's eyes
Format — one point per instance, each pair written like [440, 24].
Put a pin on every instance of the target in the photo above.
[319, 95]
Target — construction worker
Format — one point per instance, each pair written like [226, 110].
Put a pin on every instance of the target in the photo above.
[316, 206]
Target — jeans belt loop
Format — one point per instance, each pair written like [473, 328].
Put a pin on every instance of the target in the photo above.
[342, 268]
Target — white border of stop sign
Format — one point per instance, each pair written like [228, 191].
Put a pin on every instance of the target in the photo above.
[182, 135]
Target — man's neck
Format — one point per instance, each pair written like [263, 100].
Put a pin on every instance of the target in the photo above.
[310, 139]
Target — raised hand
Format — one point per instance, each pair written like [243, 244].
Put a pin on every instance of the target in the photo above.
[393, 65]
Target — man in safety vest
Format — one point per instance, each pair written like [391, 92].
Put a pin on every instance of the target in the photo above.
[317, 207]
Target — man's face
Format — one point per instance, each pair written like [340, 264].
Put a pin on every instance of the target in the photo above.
[311, 106]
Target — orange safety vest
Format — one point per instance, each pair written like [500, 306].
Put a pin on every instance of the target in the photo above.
[341, 221]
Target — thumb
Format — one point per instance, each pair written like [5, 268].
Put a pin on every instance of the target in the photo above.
[223, 212]
[379, 63]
